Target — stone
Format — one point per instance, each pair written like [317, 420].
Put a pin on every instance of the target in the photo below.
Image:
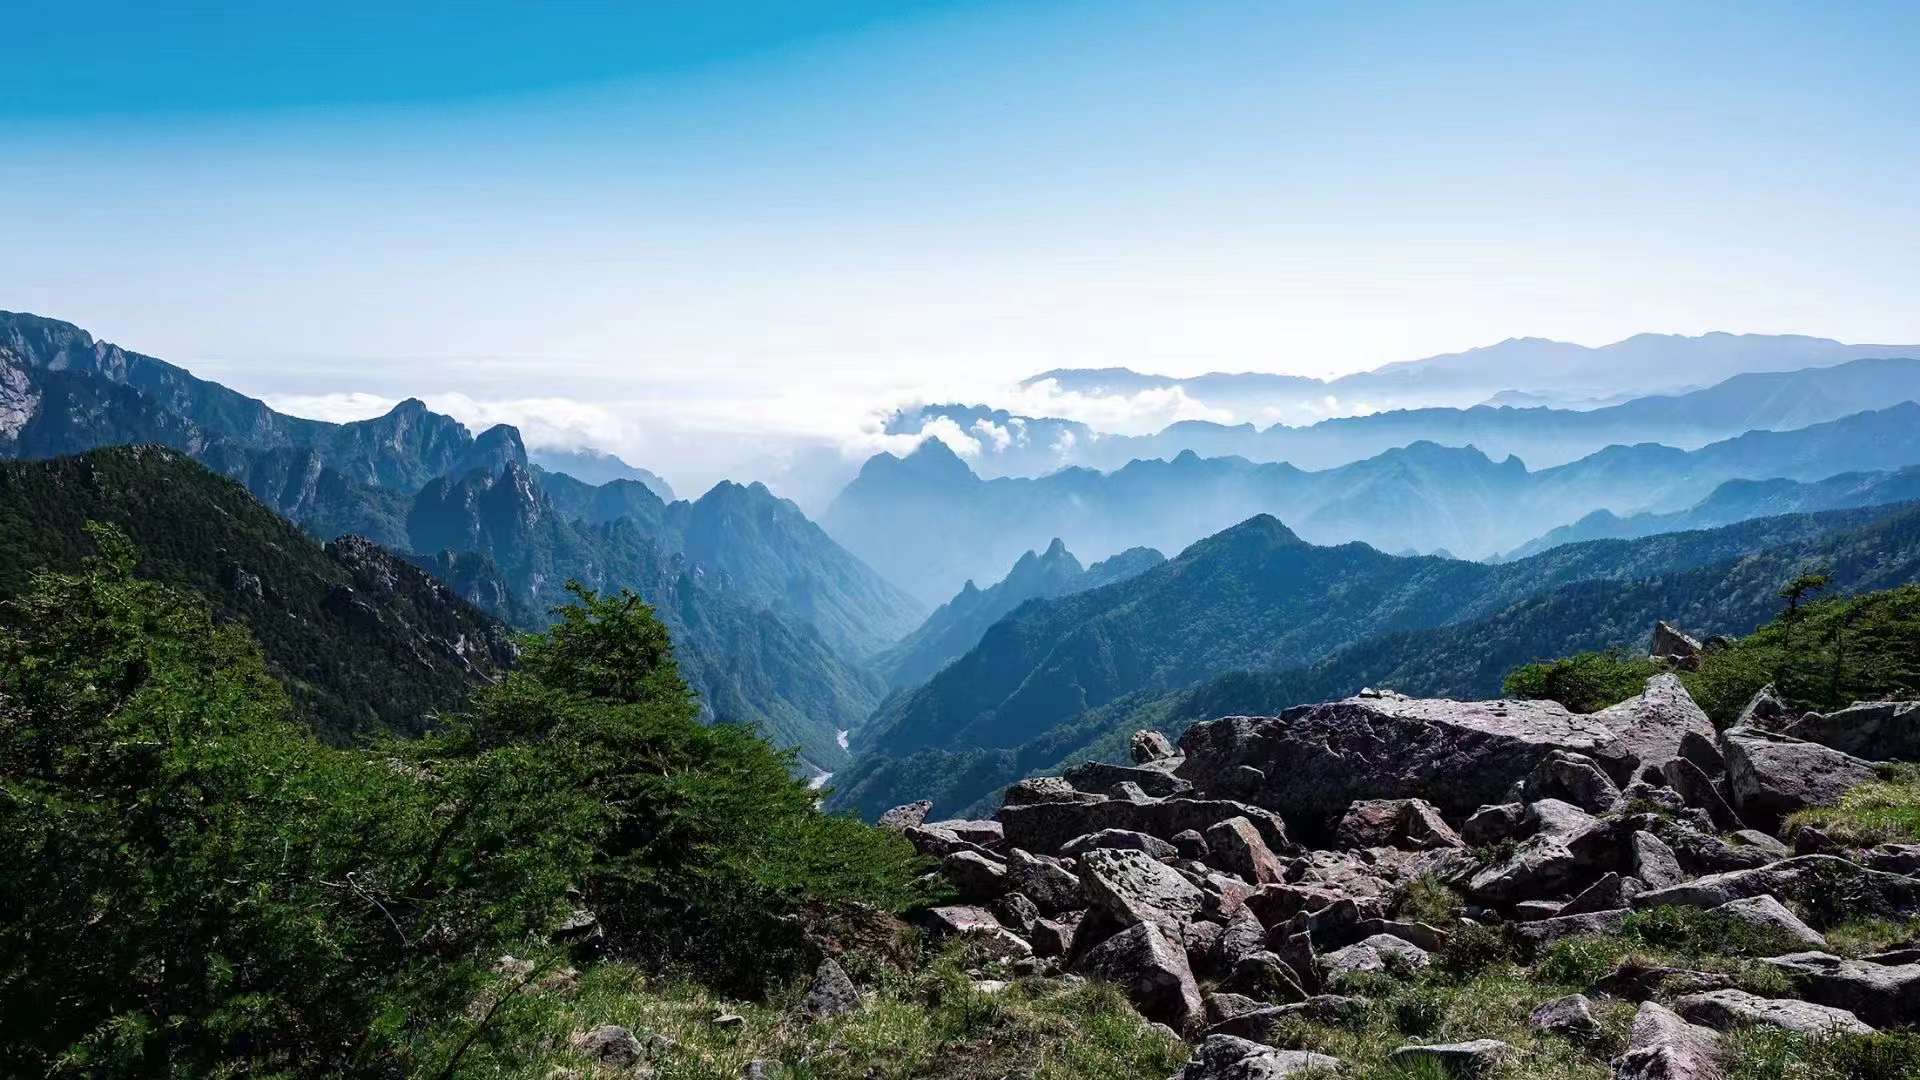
[1653, 727]
[1017, 912]
[1528, 910]
[1153, 970]
[608, 1044]
[938, 842]
[1265, 976]
[1764, 711]
[1665, 1047]
[1894, 858]
[1122, 839]
[1801, 879]
[1698, 790]
[1413, 824]
[1494, 823]
[977, 927]
[1606, 894]
[1771, 775]
[831, 993]
[1047, 789]
[1545, 931]
[1379, 953]
[1044, 827]
[1259, 1024]
[1051, 937]
[1765, 911]
[1243, 936]
[1316, 760]
[985, 833]
[1654, 861]
[1635, 981]
[1102, 777]
[1238, 849]
[1769, 847]
[1223, 1057]
[1725, 1010]
[1222, 1007]
[1672, 644]
[1462, 1059]
[1051, 886]
[1150, 746]
[1430, 938]
[1134, 888]
[1884, 995]
[1191, 844]
[901, 818]
[1569, 840]
[1569, 1017]
[1875, 730]
[975, 876]
[1573, 778]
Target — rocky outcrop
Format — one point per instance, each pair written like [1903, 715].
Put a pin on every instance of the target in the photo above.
[1664, 1046]
[1877, 730]
[1653, 728]
[1880, 994]
[1154, 970]
[1771, 775]
[1725, 1010]
[1674, 646]
[1224, 1057]
[1046, 827]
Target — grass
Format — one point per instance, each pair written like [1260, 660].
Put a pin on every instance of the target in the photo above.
[1880, 811]
[1429, 900]
[932, 1023]
[1771, 1054]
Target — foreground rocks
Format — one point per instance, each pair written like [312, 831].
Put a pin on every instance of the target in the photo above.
[1184, 870]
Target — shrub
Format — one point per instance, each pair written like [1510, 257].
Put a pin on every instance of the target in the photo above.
[1428, 900]
[1473, 949]
[1586, 682]
[1821, 656]
[1580, 961]
[1697, 932]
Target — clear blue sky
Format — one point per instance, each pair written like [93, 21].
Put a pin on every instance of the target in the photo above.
[518, 200]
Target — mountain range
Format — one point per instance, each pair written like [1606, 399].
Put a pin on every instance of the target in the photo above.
[1419, 497]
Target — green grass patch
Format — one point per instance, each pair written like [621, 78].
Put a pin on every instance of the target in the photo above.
[1884, 811]
[1771, 1054]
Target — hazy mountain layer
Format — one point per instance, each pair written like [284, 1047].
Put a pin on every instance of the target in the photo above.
[596, 467]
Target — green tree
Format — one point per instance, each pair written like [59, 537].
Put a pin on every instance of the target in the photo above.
[1586, 682]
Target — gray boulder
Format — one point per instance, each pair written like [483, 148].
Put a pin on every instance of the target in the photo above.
[1045, 881]
[1153, 970]
[1801, 878]
[1875, 730]
[1654, 862]
[1654, 727]
[1260, 1024]
[985, 833]
[1541, 932]
[1880, 994]
[1047, 789]
[1765, 711]
[831, 992]
[1100, 776]
[1315, 760]
[1413, 824]
[975, 876]
[1606, 894]
[1569, 1017]
[1462, 1059]
[1135, 888]
[1237, 848]
[1665, 1047]
[900, 818]
[1696, 789]
[1379, 953]
[608, 1044]
[1672, 644]
[1150, 746]
[1494, 823]
[1567, 841]
[1725, 1010]
[1224, 1057]
[1771, 775]
[1574, 778]
[1119, 838]
[1044, 827]
[1766, 912]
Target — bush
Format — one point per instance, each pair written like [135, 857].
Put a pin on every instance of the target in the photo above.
[1819, 656]
[1696, 932]
[1474, 949]
[1586, 682]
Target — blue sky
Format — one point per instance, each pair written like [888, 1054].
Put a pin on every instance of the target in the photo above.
[756, 215]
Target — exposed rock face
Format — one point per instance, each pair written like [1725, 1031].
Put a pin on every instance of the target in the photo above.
[1134, 888]
[1120, 838]
[1043, 789]
[1880, 994]
[1224, 1057]
[1671, 644]
[1317, 759]
[1545, 931]
[1101, 777]
[1381, 952]
[1764, 911]
[1414, 824]
[1155, 972]
[901, 818]
[1803, 876]
[1237, 848]
[1569, 1017]
[1653, 727]
[1044, 827]
[1724, 1010]
[1654, 862]
[1877, 730]
[1665, 1047]
[1772, 775]
[1150, 746]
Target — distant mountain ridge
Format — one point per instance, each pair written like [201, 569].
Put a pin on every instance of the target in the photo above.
[596, 467]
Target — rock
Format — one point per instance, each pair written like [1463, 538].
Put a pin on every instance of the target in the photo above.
[1150, 746]
[1606, 894]
[1258, 1024]
[1568, 841]
[1529, 910]
[1571, 777]
[1654, 862]
[1243, 936]
[1223, 1007]
[608, 1044]
[754, 1070]
[1462, 1059]
[901, 818]
[985, 833]
[1295, 949]
[1191, 844]
[1724, 1010]
[1765, 911]
[1413, 824]
[1772, 775]
[1694, 786]
[1100, 776]
[937, 842]
[1430, 938]
[1047, 789]
[978, 927]
[1052, 937]
[1894, 858]
[1665, 1047]
[1884, 995]
[975, 876]
[1769, 847]
[1653, 727]
[1265, 976]
[1044, 827]
[1802, 878]
[1238, 849]
[1153, 970]
[1223, 1057]
[1379, 953]
[1124, 839]
[1494, 823]
[1318, 759]
[1671, 644]
[1545, 931]
[1875, 730]
[1634, 981]
[1764, 711]
[1201, 938]
[831, 993]
[1052, 887]
[1569, 1017]
[1701, 852]
[1134, 888]
[729, 1021]
[1017, 912]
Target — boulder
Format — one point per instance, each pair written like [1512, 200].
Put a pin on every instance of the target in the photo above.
[975, 876]
[1119, 838]
[1606, 894]
[1461, 1059]
[1134, 888]
[1191, 844]
[977, 926]
[1636, 981]
[1725, 1010]
[1102, 777]
[1875, 730]
[1771, 775]
[1654, 862]
[1529, 910]
[609, 1044]
[1766, 912]
[938, 842]
[1237, 848]
[1047, 789]
[1545, 931]
[1665, 1047]
[1801, 878]
[1894, 858]
[1880, 994]
[1223, 1057]
[1765, 711]
[1574, 778]
[831, 992]
[1494, 823]
[1315, 760]
[1243, 936]
[1044, 827]
[1430, 938]
[1153, 970]
[1413, 824]
[1150, 746]
[1223, 1007]
[900, 818]
[1654, 727]
[1379, 953]
[1050, 885]
[1259, 1024]
[1266, 976]
[985, 833]
[1672, 644]
[1569, 1017]
[1016, 912]
[1696, 789]
[1568, 841]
